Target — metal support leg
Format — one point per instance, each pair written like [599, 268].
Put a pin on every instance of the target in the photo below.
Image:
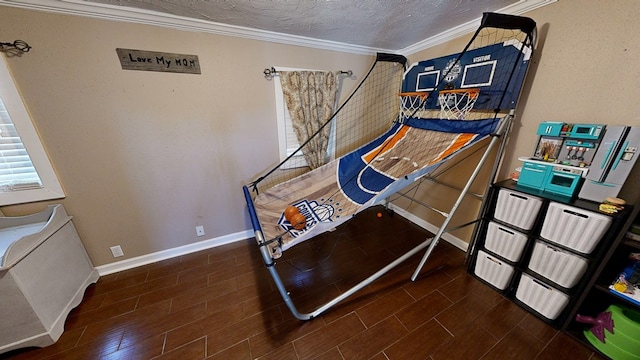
[505, 130]
[436, 239]
[308, 316]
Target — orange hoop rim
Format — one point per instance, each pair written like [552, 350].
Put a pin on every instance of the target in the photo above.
[422, 94]
[457, 91]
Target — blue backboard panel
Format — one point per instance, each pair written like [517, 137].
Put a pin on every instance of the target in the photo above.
[497, 70]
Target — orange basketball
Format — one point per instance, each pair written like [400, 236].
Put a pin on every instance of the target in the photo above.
[298, 221]
[289, 212]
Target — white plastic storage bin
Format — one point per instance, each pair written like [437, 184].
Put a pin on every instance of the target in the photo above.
[577, 229]
[557, 265]
[505, 241]
[493, 270]
[517, 209]
[543, 298]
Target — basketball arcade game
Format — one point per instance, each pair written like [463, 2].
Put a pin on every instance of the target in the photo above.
[448, 105]
[467, 86]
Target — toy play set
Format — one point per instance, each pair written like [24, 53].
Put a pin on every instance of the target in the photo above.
[591, 161]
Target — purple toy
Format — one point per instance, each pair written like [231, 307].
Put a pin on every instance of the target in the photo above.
[600, 323]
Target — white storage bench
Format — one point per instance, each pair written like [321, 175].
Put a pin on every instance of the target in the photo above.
[44, 271]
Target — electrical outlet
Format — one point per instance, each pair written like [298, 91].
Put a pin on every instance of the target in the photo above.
[116, 251]
[200, 230]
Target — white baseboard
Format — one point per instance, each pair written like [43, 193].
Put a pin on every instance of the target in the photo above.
[243, 235]
[170, 253]
[453, 240]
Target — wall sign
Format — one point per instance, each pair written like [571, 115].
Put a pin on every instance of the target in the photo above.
[158, 61]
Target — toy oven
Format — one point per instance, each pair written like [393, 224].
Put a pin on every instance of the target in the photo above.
[563, 181]
[554, 178]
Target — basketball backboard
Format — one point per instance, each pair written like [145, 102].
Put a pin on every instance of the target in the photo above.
[487, 68]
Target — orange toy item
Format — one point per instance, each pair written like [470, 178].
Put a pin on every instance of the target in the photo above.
[298, 221]
[289, 212]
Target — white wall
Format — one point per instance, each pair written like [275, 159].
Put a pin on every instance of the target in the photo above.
[145, 157]
[585, 70]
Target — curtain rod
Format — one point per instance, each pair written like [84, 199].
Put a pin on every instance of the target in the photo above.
[270, 72]
[15, 48]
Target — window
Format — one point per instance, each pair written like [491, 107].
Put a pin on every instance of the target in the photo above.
[287, 139]
[26, 175]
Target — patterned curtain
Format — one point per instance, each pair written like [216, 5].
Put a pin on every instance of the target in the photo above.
[311, 99]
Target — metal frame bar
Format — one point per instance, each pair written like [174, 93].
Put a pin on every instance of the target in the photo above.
[438, 182]
[492, 179]
[286, 296]
[308, 316]
[504, 125]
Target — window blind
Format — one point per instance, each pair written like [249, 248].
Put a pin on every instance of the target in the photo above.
[16, 169]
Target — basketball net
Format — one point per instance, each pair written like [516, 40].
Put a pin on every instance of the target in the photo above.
[456, 104]
[410, 102]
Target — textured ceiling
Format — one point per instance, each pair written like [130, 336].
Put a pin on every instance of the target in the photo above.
[381, 24]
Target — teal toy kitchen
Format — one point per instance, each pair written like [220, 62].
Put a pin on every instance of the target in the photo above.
[590, 161]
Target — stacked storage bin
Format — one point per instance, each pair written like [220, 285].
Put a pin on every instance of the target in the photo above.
[567, 236]
[541, 250]
[506, 240]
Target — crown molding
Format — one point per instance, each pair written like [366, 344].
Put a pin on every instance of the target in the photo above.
[148, 17]
[518, 8]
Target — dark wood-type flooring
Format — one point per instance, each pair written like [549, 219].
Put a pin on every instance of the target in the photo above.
[221, 303]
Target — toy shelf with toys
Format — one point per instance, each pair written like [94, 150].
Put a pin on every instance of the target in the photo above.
[561, 237]
[634, 233]
[539, 249]
[607, 316]
[627, 284]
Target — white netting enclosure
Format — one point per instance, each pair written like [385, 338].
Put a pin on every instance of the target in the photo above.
[456, 104]
[368, 112]
[412, 101]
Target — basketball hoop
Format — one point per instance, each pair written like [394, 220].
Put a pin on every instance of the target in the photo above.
[412, 101]
[456, 104]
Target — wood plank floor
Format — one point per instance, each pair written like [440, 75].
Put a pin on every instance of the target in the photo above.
[221, 303]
